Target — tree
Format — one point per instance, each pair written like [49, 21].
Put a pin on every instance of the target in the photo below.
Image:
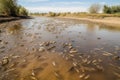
[8, 7]
[23, 11]
[11, 8]
[111, 9]
[107, 9]
[95, 8]
[52, 14]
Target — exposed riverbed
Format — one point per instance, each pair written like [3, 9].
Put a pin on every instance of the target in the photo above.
[59, 49]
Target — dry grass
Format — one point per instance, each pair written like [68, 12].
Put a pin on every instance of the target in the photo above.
[92, 15]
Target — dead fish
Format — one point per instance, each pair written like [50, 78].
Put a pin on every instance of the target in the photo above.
[82, 75]
[107, 54]
[10, 70]
[77, 70]
[12, 65]
[74, 64]
[33, 78]
[89, 69]
[2, 42]
[71, 55]
[16, 56]
[116, 57]
[51, 47]
[41, 44]
[117, 74]
[70, 47]
[73, 51]
[33, 74]
[84, 60]
[100, 68]
[47, 43]
[71, 69]
[5, 61]
[53, 63]
[86, 77]
[94, 61]
[41, 49]
[56, 74]
[88, 62]
[52, 42]
[99, 60]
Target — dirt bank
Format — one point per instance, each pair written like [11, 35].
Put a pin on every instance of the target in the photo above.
[7, 19]
[110, 21]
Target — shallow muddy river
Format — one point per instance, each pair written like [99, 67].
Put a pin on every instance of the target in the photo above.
[59, 49]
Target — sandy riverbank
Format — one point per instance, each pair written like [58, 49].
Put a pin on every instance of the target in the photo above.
[110, 21]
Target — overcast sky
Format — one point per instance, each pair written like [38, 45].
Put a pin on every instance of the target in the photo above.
[63, 5]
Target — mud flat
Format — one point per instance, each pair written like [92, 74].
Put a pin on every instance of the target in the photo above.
[58, 49]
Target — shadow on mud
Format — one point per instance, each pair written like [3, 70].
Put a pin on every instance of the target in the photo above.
[8, 19]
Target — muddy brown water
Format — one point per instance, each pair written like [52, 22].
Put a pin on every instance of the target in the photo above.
[45, 48]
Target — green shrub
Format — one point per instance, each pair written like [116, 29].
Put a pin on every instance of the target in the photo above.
[111, 9]
[22, 11]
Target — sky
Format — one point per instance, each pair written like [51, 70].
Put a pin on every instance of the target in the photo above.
[63, 5]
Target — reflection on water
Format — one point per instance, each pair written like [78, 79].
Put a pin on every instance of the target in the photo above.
[59, 49]
[111, 28]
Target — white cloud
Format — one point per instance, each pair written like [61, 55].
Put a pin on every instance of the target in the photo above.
[69, 3]
[57, 9]
[34, 0]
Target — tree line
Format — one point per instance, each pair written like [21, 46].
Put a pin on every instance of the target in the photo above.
[11, 8]
[95, 8]
[111, 9]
